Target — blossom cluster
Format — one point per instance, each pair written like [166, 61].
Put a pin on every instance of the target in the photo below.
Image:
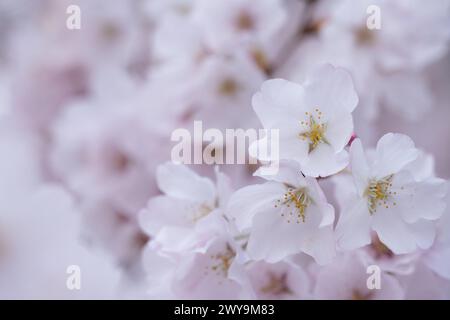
[93, 206]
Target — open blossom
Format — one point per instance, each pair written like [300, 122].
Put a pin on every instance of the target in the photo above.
[425, 284]
[233, 23]
[221, 83]
[389, 199]
[97, 155]
[386, 62]
[286, 215]
[281, 280]
[212, 271]
[314, 120]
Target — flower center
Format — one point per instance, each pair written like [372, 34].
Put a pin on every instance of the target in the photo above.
[315, 130]
[364, 36]
[222, 261]
[260, 59]
[228, 87]
[244, 21]
[358, 295]
[276, 285]
[201, 211]
[296, 201]
[379, 193]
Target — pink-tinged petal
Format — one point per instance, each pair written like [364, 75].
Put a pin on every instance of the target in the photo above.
[424, 232]
[418, 200]
[286, 145]
[178, 181]
[320, 200]
[277, 101]
[292, 147]
[395, 233]
[354, 226]
[424, 284]
[339, 131]
[394, 151]
[224, 187]
[248, 201]
[408, 95]
[359, 166]
[340, 279]
[391, 289]
[323, 161]
[163, 211]
[346, 279]
[175, 239]
[160, 272]
[261, 149]
[321, 245]
[273, 238]
[289, 172]
[331, 90]
[204, 276]
[423, 167]
[282, 280]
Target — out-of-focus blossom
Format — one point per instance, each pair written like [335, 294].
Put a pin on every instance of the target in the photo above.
[282, 280]
[386, 63]
[424, 284]
[104, 153]
[212, 271]
[241, 23]
[346, 279]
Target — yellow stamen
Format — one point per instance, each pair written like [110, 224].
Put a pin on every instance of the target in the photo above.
[224, 261]
[316, 132]
[276, 285]
[378, 193]
[297, 200]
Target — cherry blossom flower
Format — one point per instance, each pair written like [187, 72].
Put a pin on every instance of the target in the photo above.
[387, 63]
[213, 271]
[288, 214]
[389, 200]
[282, 280]
[346, 279]
[96, 154]
[204, 81]
[424, 284]
[377, 253]
[222, 85]
[241, 23]
[314, 119]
